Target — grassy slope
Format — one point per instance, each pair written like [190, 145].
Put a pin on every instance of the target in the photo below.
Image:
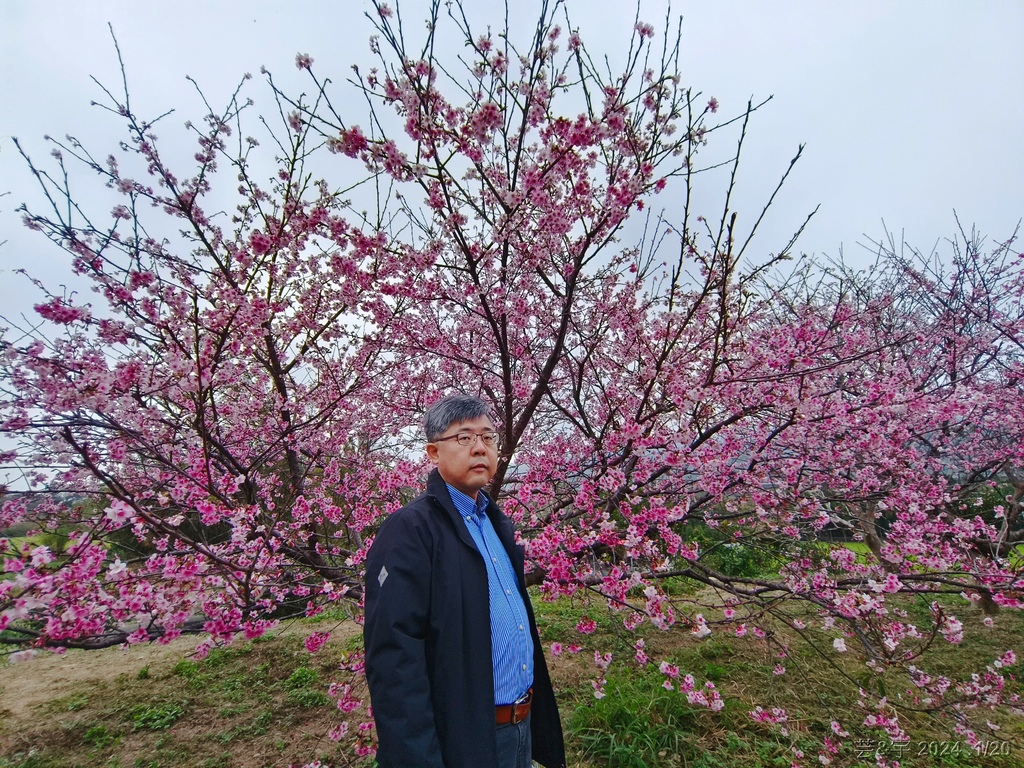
[264, 703]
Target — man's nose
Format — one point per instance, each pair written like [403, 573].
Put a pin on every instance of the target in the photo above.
[478, 445]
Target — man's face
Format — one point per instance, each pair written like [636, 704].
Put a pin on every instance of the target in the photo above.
[465, 467]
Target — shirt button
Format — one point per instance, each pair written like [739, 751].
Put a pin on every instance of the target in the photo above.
[520, 626]
[508, 591]
[494, 559]
[524, 667]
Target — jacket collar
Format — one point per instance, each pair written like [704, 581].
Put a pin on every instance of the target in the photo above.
[438, 490]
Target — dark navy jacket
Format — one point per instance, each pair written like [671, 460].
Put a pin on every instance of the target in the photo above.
[428, 641]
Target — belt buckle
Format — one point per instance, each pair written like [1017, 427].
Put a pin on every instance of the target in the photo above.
[523, 701]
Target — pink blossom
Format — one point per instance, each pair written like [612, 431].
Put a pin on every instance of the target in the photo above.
[119, 512]
[350, 142]
[61, 312]
[640, 657]
[339, 731]
[315, 641]
[644, 29]
[260, 243]
[668, 669]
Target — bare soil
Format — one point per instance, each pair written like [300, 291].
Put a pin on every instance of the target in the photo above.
[30, 684]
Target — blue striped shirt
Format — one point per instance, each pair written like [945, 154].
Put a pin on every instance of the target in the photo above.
[511, 644]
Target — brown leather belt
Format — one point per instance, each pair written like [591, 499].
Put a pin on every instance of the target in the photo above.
[515, 712]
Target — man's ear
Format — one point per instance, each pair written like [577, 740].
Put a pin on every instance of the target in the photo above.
[432, 452]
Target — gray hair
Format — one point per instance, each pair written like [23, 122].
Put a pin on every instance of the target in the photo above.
[453, 409]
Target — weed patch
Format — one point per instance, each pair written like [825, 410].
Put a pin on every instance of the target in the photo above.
[157, 717]
[98, 736]
[638, 724]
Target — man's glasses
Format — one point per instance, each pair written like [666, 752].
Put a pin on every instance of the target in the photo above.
[467, 439]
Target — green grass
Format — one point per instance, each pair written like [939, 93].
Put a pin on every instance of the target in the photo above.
[640, 724]
[636, 725]
[158, 716]
[1017, 556]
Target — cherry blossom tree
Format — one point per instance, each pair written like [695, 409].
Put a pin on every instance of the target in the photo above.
[645, 390]
[219, 430]
[206, 428]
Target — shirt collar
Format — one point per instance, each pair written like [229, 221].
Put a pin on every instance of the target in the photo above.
[466, 505]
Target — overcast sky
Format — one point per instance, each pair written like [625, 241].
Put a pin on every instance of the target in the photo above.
[910, 109]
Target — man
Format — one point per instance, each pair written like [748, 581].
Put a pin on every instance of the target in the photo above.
[454, 663]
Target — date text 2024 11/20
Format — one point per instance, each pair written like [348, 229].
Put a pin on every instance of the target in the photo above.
[868, 748]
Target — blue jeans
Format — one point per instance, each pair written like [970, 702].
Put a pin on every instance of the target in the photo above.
[514, 745]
